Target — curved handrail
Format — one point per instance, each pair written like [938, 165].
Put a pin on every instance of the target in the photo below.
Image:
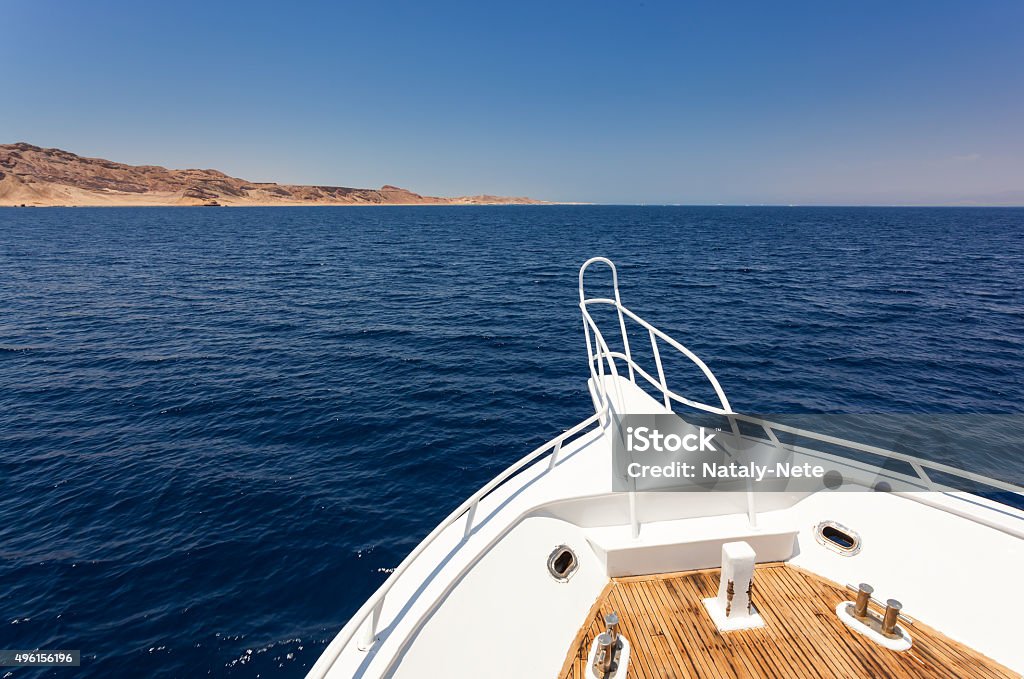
[590, 325]
[618, 300]
[696, 360]
[914, 462]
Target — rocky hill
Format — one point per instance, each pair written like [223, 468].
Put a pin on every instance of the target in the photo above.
[30, 175]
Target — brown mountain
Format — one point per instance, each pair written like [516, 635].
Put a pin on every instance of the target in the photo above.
[30, 175]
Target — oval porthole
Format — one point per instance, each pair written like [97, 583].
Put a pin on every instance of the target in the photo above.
[562, 563]
[838, 538]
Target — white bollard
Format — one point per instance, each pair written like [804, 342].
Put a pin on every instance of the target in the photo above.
[733, 609]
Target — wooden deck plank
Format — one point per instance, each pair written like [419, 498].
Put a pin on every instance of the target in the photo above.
[671, 635]
[694, 666]
[685, 600]
[827, 658]
[674, 664]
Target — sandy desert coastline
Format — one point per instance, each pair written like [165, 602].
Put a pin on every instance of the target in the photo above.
[32, 176]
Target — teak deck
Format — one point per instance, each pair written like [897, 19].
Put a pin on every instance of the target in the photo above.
[671, 635]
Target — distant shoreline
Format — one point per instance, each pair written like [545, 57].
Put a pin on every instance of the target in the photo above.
[276, 205]
[49, 177]
[534, 204]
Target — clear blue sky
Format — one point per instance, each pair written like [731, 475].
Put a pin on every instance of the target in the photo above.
[829, 102]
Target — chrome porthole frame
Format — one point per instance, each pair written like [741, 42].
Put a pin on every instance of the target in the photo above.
[563, 563]
[838, 538]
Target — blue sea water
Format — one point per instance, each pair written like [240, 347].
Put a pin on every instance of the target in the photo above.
[219, 428]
